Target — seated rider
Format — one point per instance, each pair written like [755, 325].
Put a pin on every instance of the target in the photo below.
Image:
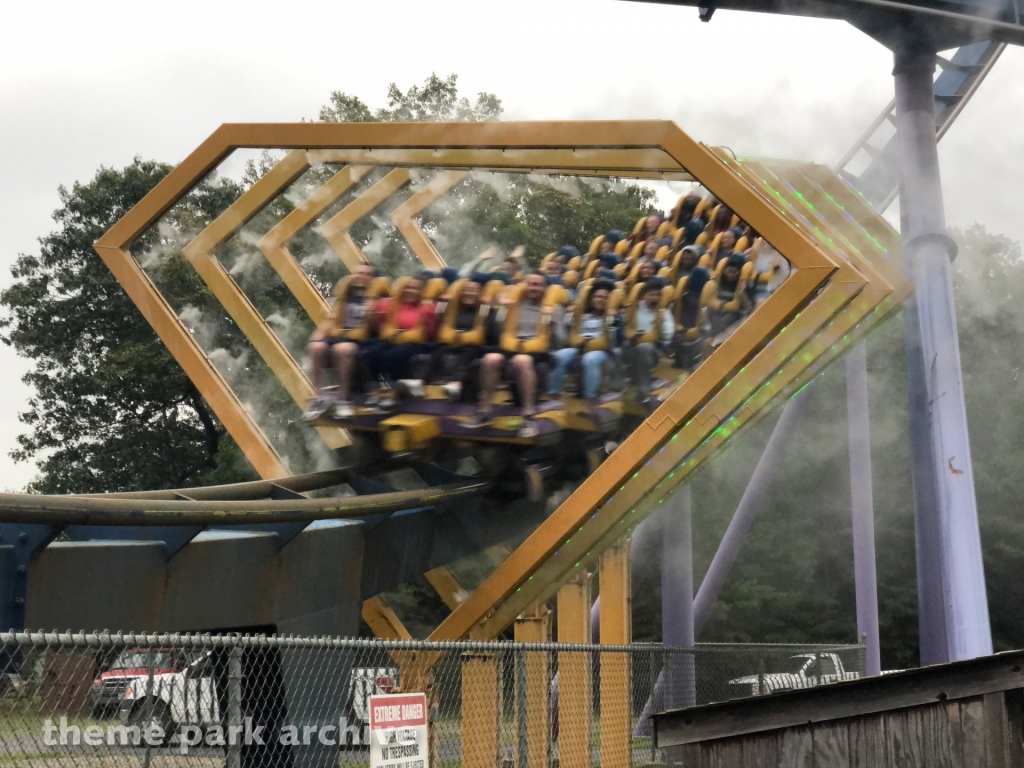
[649, 329]
[732, 302]
[344, 335]
[530, 330]
[408, 328]
[590, 335]
[726, 244]
[685, 210]
[689, 257]
[695, 294]
[463, 332]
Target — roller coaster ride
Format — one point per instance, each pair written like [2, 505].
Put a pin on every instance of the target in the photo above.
[275, 555]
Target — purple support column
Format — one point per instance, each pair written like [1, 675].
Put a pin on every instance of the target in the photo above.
[862, 505]
[679, 670]
[960, 588]
[677, 570]
[749, 507]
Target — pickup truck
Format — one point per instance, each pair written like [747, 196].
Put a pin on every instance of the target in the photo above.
[808, 670]
[131, 664]
[194, 696]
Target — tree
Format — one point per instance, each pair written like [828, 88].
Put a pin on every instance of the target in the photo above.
[111, 409]
[437, 101]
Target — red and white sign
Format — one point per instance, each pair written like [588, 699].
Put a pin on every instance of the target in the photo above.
[398, 731]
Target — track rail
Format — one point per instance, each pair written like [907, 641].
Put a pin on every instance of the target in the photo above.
[149, 511]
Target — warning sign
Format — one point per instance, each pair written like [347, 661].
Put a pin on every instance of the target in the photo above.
[398, 731]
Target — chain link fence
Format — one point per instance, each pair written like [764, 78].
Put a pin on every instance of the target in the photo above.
[193, 701]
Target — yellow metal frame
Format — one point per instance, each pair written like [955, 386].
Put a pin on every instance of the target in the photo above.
[534, 626]
[200, 253]
[616, 691]
[336, 229]
[827, 285]
[404, 217]
[574, 686]
[274, 244]
[805, 342]
[649, 149]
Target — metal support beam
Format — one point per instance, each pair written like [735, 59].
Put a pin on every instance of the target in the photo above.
[481, 709]
[616, 709]
[384, 622]
[404, 217]
[534, 685]
[336, 229]
[677, 572]
[574, 685]
[643, 548]
[928, 251]
[862, 505]
[677, 606]
[749, 507]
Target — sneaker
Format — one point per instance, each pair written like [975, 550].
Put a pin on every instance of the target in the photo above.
[529, 429]
[343, 410]
[317, 407]
[478, 420]
[453, 389]
[412, 388]
[380, 401]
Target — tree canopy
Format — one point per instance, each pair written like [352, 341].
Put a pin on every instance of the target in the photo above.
[112, 411]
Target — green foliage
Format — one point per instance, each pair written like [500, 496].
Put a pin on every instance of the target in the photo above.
[541, 212]
[437, 101]
[111, 410]
[504, 210]
[793, 581]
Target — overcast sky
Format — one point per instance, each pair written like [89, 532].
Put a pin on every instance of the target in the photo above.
[90, 84]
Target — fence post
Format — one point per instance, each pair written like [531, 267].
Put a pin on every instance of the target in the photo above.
[616, 747]
[574, 681]
[534, 626]
[234, 706]
[147, 755]
[481, 708]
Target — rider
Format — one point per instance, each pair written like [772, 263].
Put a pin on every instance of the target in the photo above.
[649, 327]
[732, 301]
[342, 338]
[695, 294]
[685, 210]
[409, 325]
[530, 330]
[591, 335]
[465, 323]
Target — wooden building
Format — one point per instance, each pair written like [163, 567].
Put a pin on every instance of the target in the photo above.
[969, 713]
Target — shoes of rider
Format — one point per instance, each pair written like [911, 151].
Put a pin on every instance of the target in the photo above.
[478, 421]
[529, 429]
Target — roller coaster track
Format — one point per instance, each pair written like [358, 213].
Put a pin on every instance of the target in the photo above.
[260, 545]
[961, 76]
[150, 510]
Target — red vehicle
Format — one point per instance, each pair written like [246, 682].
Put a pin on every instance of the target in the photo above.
[133, 663]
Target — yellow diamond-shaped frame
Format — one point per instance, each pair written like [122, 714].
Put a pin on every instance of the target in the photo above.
[585, 537]
[826, 219]
[274, 244]
[647, 149]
